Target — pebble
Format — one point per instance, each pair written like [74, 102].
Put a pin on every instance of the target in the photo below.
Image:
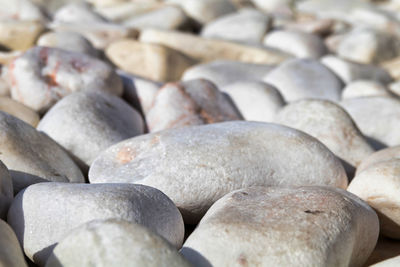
[382, 155]
[21, 10]
[271, 226]
[19, 35]
[43, 214]
[179, 162]
[6, 192]
[19, 111]
[363, 88]
[100, 120]
[298, 79]
[32, 156]
[10, 251]
[77, 13]
[121, 243]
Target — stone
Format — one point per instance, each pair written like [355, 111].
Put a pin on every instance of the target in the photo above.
[19, 110]
[19, 35]
[205, 11]
[272, 226]
[10, 250]
[62, 207]
[70, 41]
[43, 75]
[79, 12]
[392, 262]
[86, 123]
[375, 18]
[377, 186]
[274, 6]
[205, 50]
[245, 26]
[121, 243]
[364, 88]
[382, 155]
[377, 117]
[20, 10]
[364, 45]
[6, 193]
[195, 166]
[4, 88]
[395, 88]
[351, 71]
[315, 26]
[332, 126]
[225, 72]
[386, 248]
[256, 101]
[105, 3]
[150, 61]
[166, 18]
[193, 102]
[123, 11]
[305, 78]
[32, 156]
[297, 43]
[392, 66]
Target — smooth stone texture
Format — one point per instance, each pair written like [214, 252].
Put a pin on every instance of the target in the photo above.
[42, 76]
[363, 88]
[298, 79]
[273, 6]
[378, 185]
[123, 11]
[377, 117]
[86, 123]
[10, 251]
[272, 226]
[331, 125]
[114, 242]
[20, 10]
[393, 262]
[19, 110]
[6, 193]
[193, 102]
[70, 41]
[79, 12]
[205, 50]
[32, 156]
[395, 88]
[256, 101]
[19, 35]
[245, 26]
[379, 156]
[197, 165]
[43, 214]
[320, 27]
[224, 72]
[297, 43]
[392, 66]
[150, 61]
[351, 71]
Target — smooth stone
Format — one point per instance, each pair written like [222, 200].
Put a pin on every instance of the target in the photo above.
[395, 88]
[224, 72]
[298, 79]
[320, 27]
[61, 207]
[351, 71]
[19, 35]
[392, 66]
[272, 226]
[51, 6]
[205, 11]
[6, 194]
[379, 156]
[19, 110]
[205, 50]
[364, 88]
[119, 242]
[4, 88]
[20, 10]
[79, 12]
[375, 18]
[166, 18]
[368, 46]
[11, 254]
[32, 156]
[70, 41]
[123, 11]
[105, 3]
[43, 75]
[256, 101]
[377, 117]
[332, 126]
[197, 165]
[86, 123]
[386, 248]
[297, 43]
[150, 61]
[246, 26]
[377, 186]
[273, 6]
[189, 103]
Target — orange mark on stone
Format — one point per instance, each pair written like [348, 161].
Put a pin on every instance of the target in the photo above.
[44, 55]
[52, 77]
[155, 140]
[242, 260]
[207, 118]
[126, 154]
[78, 65]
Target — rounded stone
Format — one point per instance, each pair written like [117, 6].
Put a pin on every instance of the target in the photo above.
[6, 190]
[363, 88]
[19, 110]
[11, 254]
[379, 156]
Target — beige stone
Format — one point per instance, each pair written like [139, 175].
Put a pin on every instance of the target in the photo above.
[122, 11]
[19, 110]
[364, 88]
[79, 12]
[19, 35]
[10, 251]
[21, 10]
[379, 156]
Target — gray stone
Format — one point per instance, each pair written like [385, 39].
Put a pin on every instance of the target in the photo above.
[10, 251]
[363, 88]
[77, 13]
[6, 192]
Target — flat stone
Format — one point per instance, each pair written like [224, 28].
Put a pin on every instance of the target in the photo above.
[10, 250]
[305, 78]
[364, 88]
[32, 156]
[273, 6]
[150, 61]
[19, 35]
[42, 76]
[197, 165]
[62, 207]
[205, 50]
[79, 12]
[86, 123]
[313, 26]
[256, 101]
[6, 193]
[297, 43]
[272, 226]
[19, 110]
[121, 243]
[193, 102]
[331, 125]
[382, 155]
